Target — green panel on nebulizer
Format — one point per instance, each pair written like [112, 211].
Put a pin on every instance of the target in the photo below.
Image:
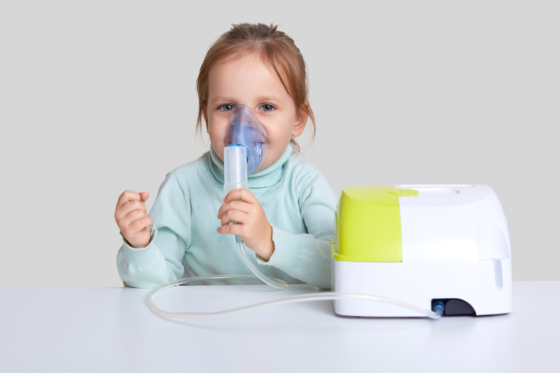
[368, 224]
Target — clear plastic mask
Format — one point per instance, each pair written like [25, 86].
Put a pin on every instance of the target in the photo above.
[246, 130]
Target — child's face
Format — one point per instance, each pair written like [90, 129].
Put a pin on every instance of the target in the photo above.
[249, 81]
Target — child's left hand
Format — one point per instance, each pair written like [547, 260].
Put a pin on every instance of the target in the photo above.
[252, 225]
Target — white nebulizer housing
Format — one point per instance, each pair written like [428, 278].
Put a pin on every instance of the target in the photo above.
[423, 244]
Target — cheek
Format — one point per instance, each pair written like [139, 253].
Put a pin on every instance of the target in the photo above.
[217, 134]
[280, 130]
[213, 132]
[217, 127]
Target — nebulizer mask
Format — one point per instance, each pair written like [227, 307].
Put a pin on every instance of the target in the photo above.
[246, 150]
[246, 153]
[246, 131]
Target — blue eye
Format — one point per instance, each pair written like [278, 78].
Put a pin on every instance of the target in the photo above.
[231, 107]
[268, 106]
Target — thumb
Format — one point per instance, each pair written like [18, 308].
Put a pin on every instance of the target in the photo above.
[144, 196]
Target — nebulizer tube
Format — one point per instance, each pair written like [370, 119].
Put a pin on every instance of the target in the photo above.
[235, 177]
[247, 145]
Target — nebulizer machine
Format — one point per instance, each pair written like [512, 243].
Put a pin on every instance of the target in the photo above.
[398, 251]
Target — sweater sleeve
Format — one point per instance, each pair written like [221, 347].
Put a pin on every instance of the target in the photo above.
[162, 260]
[306, 256]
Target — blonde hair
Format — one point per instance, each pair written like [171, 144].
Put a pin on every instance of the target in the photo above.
[275, 48]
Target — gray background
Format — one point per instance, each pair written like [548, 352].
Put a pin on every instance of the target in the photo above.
[99, 97]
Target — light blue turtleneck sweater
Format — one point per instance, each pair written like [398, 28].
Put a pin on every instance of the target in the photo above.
[299, 205]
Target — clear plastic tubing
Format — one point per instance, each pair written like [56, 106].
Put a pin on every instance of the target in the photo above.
[278, 284]
[235, 177]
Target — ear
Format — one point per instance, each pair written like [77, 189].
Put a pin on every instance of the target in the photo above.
[301, 119]
[205, 115]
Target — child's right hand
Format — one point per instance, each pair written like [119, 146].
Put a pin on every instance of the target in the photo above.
[132, 218]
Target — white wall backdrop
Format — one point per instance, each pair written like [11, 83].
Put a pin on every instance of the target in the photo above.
[98, 97]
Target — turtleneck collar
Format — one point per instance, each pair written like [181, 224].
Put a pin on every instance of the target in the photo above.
[265, 178]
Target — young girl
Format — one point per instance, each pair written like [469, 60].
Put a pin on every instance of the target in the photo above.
[286, 217]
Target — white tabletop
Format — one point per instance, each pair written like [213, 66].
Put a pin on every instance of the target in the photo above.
[112, 330]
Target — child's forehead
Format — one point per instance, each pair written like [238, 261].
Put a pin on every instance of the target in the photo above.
[244, 73]
[239, 63]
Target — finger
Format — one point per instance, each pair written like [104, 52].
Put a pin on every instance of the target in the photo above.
[243, 194]
[139, 224]
[144, 196]
[128, 207]
[137, 211]
[237, 216]
[234, 205]
[131, 217]
[127, 195]
[236, 229]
